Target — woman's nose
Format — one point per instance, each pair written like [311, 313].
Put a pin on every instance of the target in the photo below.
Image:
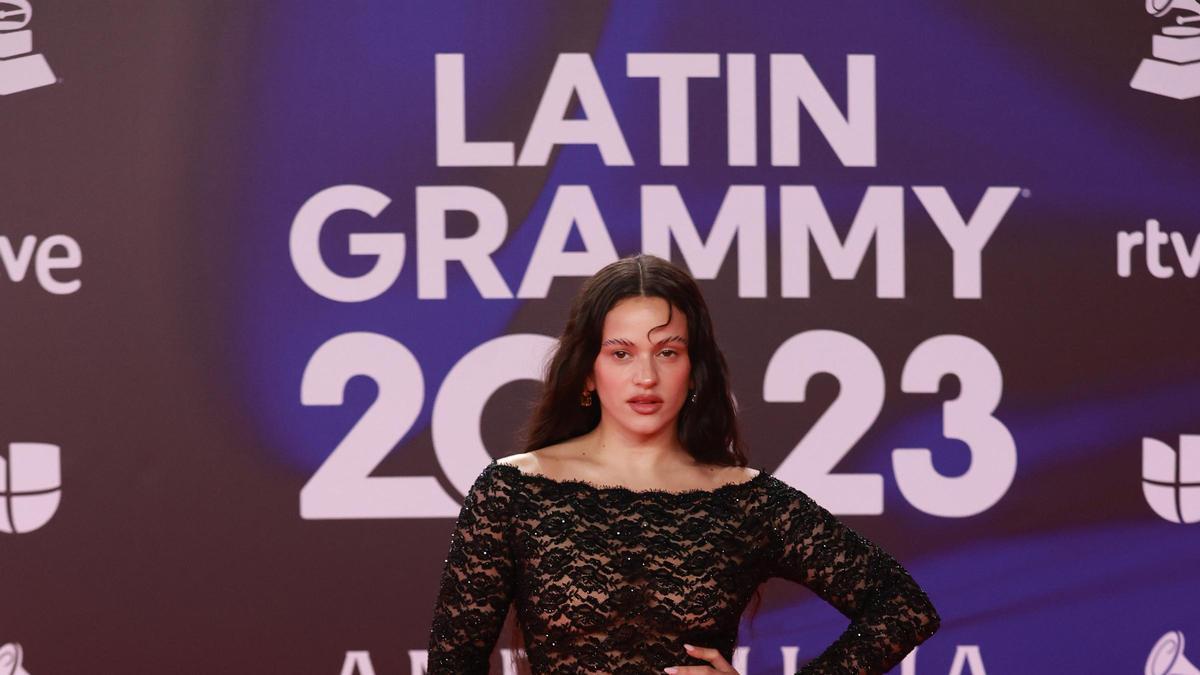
[646, 373]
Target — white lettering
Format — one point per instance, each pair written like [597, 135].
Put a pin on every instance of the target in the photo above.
[880, 216]
[673, 72]
[572, 205]
[304, 244]
[852, 136]
[1189, 261]
[1126, 242]
[16, 262]
[474, 252]
[358, 663]
[742, 110]
[967, 239]
[453, 148]
[665, 218]
[967, 655]
[743, 214]
[1153, 239]
[574, 74]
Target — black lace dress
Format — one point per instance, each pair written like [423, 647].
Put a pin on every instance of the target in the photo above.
[612, 580]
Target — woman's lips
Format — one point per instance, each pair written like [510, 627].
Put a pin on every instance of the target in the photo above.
[645, 407]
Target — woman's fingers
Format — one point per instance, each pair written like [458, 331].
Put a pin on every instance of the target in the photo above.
[719, 664]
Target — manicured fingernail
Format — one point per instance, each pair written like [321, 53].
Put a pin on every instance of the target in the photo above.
[669, 670]
[688, 647]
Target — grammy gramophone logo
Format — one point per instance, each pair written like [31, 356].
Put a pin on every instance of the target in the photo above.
[1175, 68]
[20, 68]
[1166, 657]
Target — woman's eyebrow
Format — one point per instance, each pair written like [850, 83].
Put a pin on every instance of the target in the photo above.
[623, 341]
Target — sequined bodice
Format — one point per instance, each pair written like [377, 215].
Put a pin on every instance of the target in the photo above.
[612, 580]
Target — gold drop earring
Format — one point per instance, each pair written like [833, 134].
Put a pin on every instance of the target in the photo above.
[585, 399]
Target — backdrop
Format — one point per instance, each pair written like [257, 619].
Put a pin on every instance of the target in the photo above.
[278, 279]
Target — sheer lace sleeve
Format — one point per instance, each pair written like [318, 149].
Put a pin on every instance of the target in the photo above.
[889, 613]
[477, 581]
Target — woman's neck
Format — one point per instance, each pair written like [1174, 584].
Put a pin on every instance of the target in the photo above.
[635, 455]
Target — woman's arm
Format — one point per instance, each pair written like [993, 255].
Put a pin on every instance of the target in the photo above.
[477, 582]
[889, 613]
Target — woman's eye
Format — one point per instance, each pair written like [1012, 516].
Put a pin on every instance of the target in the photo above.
[618, 353]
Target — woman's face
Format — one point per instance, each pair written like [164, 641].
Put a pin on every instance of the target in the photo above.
[637, 362]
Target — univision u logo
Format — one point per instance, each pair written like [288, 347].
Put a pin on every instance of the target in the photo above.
[30, 486]
[1171, 478]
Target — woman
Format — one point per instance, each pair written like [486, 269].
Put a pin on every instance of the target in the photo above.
[630, 532]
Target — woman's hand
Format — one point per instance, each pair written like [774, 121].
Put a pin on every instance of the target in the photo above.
[719, 664]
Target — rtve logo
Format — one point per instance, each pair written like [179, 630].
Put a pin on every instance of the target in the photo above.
[20, 68]
[1171, 478]
[1153, 239]
[30, 487]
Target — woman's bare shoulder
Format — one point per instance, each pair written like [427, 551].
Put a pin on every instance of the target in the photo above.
[561, 462]
[724, 475]
[545, 461]
[525, 461]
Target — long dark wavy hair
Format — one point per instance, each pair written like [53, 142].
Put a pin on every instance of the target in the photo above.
[707, 428]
